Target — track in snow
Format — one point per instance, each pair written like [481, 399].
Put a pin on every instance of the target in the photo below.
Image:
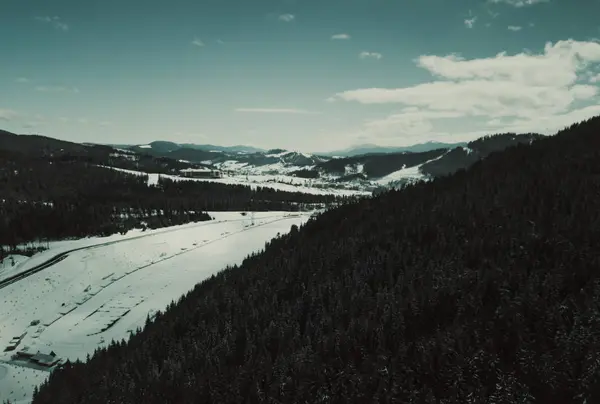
[59, 257]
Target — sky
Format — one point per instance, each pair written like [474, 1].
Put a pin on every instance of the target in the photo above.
[307, 75]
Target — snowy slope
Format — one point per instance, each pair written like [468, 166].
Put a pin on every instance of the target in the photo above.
[105, 292]
[407, 174]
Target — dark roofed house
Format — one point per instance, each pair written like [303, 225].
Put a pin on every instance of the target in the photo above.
[45, 359]
[25, 353]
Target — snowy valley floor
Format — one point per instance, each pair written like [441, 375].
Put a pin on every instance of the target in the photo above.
[104, 292]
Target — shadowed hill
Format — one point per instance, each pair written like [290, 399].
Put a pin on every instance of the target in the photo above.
[434, 163]
[479, 287]
[46, 148]
[462, 157]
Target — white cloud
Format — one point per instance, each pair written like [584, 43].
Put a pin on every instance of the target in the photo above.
[7, 114]
[105, 123]
[197, 42]
[276, 110]
[57, 89]
[83, 121]
[340, 36]
[22, 80]
[514, 28]
[55, 22]
[520, 3]
[370, 55]
[287, 17]
[525, 90]
[595, 79]
[411, 120]
[470, 22]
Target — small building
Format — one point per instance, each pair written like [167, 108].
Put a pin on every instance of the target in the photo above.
[24, 353]
[203, 172]
[14, 343]
[11, 347]
[47, 360]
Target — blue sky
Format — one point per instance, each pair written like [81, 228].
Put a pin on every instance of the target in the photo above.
[301, 74]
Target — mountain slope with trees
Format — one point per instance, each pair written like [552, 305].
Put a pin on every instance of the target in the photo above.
[478, 287]
[47, 148]
[53, 191]
[462, 157]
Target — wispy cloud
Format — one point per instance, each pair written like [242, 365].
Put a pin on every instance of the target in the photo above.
[197, 42]
[470, 22]
[340, 36]
[287, 17]
[220, 41]
[493, 14]
[22, 80]
[83, 121]
[32, 124]
[55, 22]
[276, 110]
[519, 3]
[595, 79]
[57, 89]
[514, 28]
[370, 55]
[7, 114]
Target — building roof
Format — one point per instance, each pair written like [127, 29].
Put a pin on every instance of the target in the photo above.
[44, 359]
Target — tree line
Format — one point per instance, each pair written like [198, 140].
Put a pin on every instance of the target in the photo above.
[45, 199]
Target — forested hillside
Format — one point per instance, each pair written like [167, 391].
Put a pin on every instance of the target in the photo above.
[463, 157]
[480, 287]
[44, 198]
[435, 163]
[47, 148]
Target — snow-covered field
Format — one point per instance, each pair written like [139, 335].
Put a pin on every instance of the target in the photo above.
[104, 292]
[277, 182]
[17, 383]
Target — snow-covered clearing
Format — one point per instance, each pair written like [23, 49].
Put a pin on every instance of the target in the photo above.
[11, 265]
[407, 173]
[105, 292]
[17, 383]
[277, 182]
[56, 247]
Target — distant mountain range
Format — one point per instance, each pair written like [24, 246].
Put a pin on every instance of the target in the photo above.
[374, 168]
[167, 146]
[375, 149]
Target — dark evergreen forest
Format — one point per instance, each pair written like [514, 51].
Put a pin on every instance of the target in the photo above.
[479, 287]
[44, 199]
